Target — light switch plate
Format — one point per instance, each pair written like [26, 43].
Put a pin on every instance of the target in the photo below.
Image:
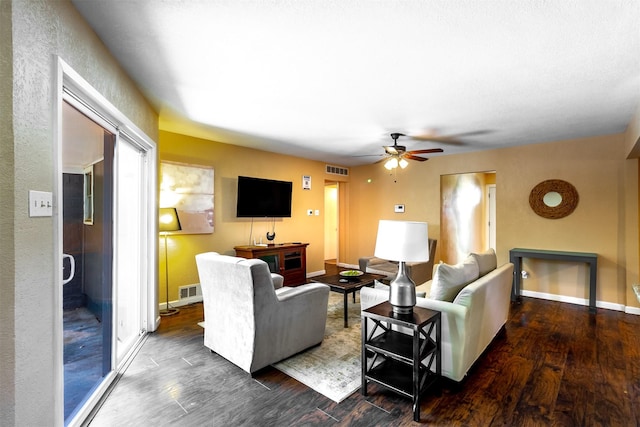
[398, 208]
[40, 203]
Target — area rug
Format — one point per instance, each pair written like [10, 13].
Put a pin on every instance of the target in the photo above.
[333, 367]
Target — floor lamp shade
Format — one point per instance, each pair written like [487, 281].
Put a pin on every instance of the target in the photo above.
[402, 241]
[168, 221]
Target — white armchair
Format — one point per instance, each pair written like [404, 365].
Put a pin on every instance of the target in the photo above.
[251, 323]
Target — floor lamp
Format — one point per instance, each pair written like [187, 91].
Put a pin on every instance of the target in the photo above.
[168, 222]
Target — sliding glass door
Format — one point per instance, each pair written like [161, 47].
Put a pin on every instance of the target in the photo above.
[130, 258]
[107, 245]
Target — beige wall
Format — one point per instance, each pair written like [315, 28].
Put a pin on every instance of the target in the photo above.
[606, 182]
[33, 33]
[228, 162]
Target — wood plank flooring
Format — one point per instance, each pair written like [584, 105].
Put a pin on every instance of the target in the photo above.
[554, 364]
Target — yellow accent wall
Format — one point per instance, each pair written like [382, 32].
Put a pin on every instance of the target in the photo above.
[228, 162]
[605, 221]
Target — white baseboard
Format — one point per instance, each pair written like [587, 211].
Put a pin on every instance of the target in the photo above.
[181, 302]
[632, 310]
[351, 266]
[580, 301]
[316, 273]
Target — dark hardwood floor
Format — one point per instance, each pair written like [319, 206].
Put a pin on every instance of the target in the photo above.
[554, 364]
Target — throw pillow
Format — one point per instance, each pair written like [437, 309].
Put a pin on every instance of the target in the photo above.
[384, 287]
[487, 261]
[448, 280]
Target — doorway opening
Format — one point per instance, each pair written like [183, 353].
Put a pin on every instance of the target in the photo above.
[87, 254]
[331, 222]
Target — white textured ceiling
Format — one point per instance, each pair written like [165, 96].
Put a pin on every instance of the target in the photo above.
[330, 79]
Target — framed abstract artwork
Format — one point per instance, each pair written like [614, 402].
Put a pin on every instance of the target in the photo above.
[189, 189]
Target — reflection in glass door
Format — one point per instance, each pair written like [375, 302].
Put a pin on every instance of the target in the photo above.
[129, 271]
[87, 258]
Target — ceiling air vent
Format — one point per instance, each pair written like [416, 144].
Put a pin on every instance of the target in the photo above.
[337, 170]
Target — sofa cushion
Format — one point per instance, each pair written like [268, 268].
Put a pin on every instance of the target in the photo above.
[448, 280]
[384, 287]
[487, 261]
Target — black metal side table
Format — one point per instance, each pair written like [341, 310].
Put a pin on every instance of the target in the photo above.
[402, 363]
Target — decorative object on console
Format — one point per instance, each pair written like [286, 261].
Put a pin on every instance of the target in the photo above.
[553, 199]
[168, 222]
[402, 241]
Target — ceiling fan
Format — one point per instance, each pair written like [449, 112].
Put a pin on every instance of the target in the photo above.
[397, 155]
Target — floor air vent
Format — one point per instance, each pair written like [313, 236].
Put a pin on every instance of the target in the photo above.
[337, 170]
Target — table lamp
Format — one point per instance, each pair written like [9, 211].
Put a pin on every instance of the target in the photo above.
[402, 241]
[168, 221]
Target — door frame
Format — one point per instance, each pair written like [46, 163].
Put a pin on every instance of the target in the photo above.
[490, 191]
[70, 87]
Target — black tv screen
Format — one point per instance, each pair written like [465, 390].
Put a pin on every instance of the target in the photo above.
[259, 197]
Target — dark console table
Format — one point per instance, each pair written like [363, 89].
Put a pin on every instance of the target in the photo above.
[516, 255]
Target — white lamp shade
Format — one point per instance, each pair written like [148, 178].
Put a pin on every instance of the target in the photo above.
[406, 241]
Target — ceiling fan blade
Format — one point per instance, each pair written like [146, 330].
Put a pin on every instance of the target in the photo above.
[449, 139]
[412, 157]
[440, 139]
[428, 150]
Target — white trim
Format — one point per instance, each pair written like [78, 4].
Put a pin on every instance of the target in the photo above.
[316, 273]
[345, 265]
[573, 300]
[181, 302]
[58, 327]
[632, 310]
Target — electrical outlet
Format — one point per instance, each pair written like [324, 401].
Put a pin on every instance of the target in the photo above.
[317, 212]
[40, 203]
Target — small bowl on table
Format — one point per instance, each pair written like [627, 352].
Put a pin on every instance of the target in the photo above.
[351, 274]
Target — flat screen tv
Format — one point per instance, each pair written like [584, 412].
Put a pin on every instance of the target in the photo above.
[259, 197]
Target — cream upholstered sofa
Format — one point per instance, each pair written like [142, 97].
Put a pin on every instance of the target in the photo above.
[419, 272]
[253, 321]
[474, 300]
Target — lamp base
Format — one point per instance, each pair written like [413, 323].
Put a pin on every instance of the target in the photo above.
[169, 312]
[402, 310]
[402, 292]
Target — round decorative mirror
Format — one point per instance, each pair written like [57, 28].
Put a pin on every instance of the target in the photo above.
[553, 199]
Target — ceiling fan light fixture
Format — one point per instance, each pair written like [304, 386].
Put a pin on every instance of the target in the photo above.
[403, 163]
[392, 163]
